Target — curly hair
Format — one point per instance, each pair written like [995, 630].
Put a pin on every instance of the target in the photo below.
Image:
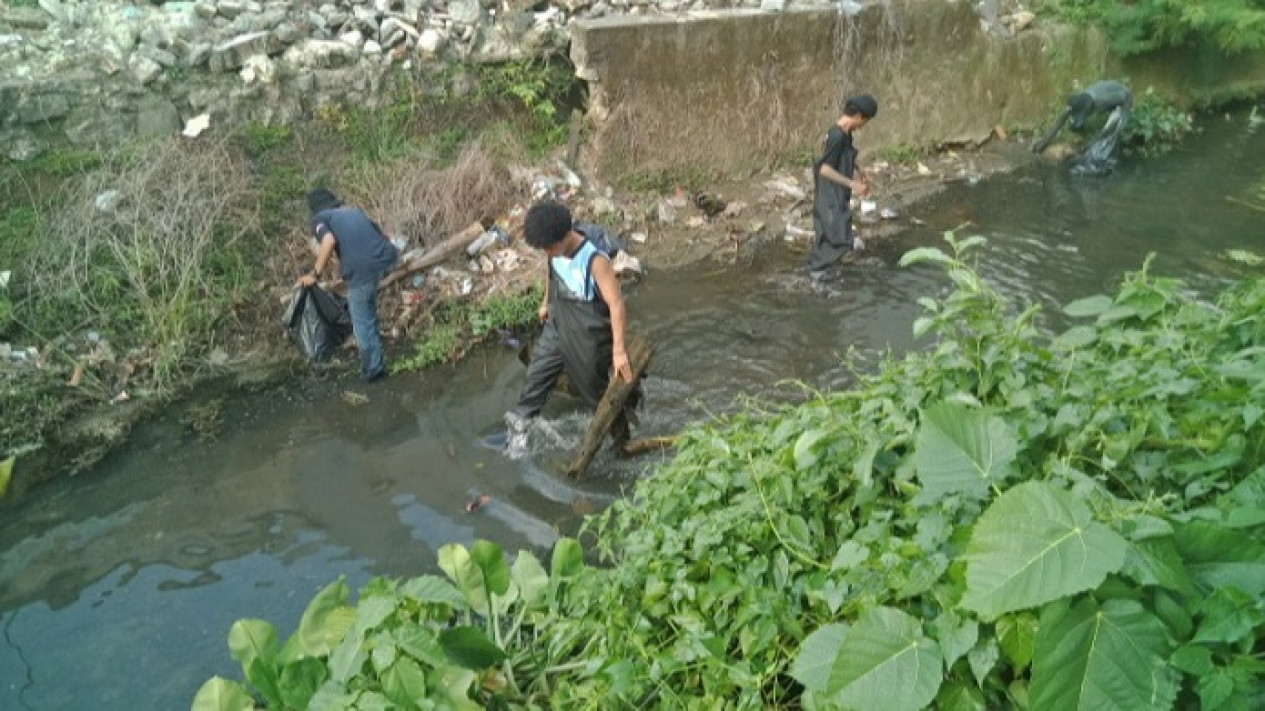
[547, 223]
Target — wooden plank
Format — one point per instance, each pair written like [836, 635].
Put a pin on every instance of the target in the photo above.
[612, 404]
[441, 253]
[634, 447]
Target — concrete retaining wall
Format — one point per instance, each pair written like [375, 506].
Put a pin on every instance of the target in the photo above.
[732, 92]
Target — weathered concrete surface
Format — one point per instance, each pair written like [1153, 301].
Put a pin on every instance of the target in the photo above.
[733, 92]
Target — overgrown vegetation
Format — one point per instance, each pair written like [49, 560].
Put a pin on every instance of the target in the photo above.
[1156, 126]
[1006, 520]
[157, 248]
[456, 326]
[1233, 26]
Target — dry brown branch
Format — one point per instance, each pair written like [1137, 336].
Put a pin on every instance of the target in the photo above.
[427, 205]
[131, 247]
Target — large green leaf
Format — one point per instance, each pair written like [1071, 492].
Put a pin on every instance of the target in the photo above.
[470, 648]
[454, 683]
[962, 450]
[816, 657]
[885, 662]
[1155, 561]
[530, 577]
[955, 636]
[1101, 659]
[404, 683]
[960, 696]
[1036, 544]
[324, 622]
[249, 640]
[924, 254]
[332, 696]
[432, 589]
[347, 659]
[1088, 306]
[300, 680]
[1251, 490]
[1218, 556]
[422, 643]
[567, 560]
[219, 694]
[455, 560]
[1017, 635]
[491, 561]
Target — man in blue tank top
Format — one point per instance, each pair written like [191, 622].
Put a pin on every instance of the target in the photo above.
[584, 317]
[366, 255]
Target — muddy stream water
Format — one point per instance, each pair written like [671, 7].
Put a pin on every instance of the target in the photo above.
[118, 587]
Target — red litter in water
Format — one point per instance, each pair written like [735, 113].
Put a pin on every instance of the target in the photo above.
[477, 503]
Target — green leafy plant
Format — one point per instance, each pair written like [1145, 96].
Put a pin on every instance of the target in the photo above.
[1133, 28]
[504, 311]
[456, 326]
[421, 643]
[438, 344]
[259, 138]
[539, 87]
[1156, 126]
[1008, 518]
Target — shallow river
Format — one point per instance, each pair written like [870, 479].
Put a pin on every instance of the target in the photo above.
[117, 588]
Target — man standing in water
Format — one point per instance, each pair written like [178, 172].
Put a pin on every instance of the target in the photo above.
[583, 313]
[366, 255]
[834, 184]
[1100, 97]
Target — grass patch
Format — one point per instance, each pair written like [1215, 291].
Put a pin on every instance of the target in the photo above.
[503, 311]
[456, 326]
[438, 345]
[898, 154]
[260, 139]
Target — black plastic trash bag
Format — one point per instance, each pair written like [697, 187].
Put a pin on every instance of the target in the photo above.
[318, 322]
[601, 238]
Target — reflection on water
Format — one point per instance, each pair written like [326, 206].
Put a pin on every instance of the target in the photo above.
[117, 588]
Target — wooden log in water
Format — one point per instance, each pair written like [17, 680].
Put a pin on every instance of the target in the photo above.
[634, 447]
[608, 410]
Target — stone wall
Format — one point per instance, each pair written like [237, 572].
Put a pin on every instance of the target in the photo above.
[98, 72]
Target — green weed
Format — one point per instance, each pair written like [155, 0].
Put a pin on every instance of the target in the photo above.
[1233, 26]
[898, 154]
[259, 139]
[506, 311]
[987, 519]
[437, 345]
[1156, 126]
